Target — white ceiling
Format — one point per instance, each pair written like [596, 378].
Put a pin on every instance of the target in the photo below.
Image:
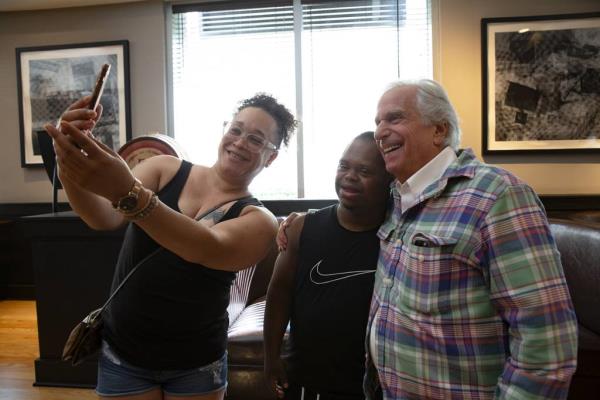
[23, 5]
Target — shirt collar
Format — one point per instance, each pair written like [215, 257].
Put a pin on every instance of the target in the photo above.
[432, 171]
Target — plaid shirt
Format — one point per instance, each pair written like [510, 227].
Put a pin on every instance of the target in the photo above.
[470, 300]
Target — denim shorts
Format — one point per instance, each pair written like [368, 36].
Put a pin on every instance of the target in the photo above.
[117, 377]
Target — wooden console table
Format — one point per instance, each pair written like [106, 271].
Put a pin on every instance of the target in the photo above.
[73, 267]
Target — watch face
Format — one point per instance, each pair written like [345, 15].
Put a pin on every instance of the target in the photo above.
[143, 147]
[128, 203]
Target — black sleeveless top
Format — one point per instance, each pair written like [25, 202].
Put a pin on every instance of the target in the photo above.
[332, 294]
[171, 313]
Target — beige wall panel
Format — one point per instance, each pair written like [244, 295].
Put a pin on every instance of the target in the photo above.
[142, 23]
[459, 70]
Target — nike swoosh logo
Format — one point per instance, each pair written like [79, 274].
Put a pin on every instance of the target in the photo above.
[320, 278]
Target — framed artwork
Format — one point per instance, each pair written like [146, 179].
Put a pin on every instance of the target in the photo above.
[51, 78]
[541, 84]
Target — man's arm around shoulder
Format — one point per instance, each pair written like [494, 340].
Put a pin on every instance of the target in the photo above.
[278, 308]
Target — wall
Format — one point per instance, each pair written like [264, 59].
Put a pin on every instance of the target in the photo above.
[459, 55]
[141, 23]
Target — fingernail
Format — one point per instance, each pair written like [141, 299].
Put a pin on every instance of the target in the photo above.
[47, 128]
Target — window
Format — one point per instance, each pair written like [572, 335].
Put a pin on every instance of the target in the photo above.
[327, 61]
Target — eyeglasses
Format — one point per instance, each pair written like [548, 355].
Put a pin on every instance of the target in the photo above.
[256, 143]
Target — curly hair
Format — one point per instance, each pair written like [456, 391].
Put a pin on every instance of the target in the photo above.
[286, 123]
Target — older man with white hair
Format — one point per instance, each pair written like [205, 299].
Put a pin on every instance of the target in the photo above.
[470, 299]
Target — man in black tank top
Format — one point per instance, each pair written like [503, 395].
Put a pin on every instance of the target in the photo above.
[322, 285]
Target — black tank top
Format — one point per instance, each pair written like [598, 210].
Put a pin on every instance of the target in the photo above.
[332, 294]
[171, 313]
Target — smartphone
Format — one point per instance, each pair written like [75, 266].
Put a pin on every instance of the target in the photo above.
[99, 87]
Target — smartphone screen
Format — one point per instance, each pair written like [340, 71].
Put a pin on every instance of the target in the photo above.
[99, 87]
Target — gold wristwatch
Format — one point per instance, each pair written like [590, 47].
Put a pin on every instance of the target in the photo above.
[129, 203]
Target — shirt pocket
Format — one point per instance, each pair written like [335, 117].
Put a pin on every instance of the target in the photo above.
[432, 273]
[390, 245]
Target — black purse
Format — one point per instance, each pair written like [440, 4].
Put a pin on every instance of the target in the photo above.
[85, 339]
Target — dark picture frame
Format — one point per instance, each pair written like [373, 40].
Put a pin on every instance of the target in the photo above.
[541, 84]
[50, 78]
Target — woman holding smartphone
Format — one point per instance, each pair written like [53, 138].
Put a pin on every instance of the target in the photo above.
[165, 332]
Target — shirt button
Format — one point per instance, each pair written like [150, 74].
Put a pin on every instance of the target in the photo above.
[421, 257]
[387, 282]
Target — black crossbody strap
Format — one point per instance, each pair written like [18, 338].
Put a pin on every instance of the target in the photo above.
[127, 277]
[153, 254]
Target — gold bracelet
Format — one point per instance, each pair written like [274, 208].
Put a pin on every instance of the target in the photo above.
[144, 212]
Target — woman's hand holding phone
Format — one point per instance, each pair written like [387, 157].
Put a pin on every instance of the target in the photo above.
[85, 112]
[80, 116]
[88, 163]
[82, 159]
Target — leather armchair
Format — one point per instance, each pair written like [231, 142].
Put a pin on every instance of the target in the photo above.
[245, 337]
[579, 244]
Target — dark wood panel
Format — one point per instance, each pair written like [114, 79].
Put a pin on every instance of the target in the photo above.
[16, 273]
[73, 267]
[5, 257]
[9, 211]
